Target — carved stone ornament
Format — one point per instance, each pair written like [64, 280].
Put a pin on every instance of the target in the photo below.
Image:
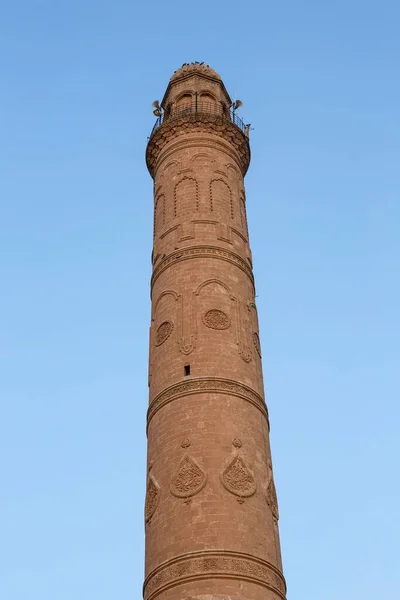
[201, 252]
[197, 566]
[212, 385]
[152, 498]
[185, 443]
[229, 136]
[245, 353]
[188, 480]
[256, 342]
[163, 332]
[238, 479]
[272, 500]
[216, 319]
[237, 442]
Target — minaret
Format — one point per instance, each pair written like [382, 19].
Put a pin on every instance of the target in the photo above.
[211, 513]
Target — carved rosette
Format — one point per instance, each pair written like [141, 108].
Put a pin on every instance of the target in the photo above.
[216, 319]
[189, 478]
[152, 498]
[238, 479]
[163, 332]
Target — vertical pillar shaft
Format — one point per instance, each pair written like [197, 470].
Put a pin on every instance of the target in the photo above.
[211, 511]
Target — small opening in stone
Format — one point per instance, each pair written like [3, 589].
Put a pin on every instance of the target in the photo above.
[186, 370]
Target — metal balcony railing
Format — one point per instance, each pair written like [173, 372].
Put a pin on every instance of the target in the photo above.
[200, 108]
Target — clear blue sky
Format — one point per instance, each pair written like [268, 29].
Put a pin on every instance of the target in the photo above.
[320, 85]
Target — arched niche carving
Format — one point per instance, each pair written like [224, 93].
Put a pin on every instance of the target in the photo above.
[184, 98]
[255, 328]
[202, 160]
[216, 284]
[164, 294]
[186, 197]
[183, 104]
[165, 318]
[172, 318]
[243, 216]
[171, 168]
[162, 185]
[157, 190]
[208, 103]
[207, 96]
[215, 308]
[221, 202]
[234, 177]
[233, 172]
[159, 213]
[254, 316]
[164, 323]
[204, 163]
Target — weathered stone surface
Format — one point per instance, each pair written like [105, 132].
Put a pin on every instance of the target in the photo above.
[211, 509]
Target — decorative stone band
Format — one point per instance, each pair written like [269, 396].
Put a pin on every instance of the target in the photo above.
[213, 564]
[202, 252]
[206, 385]
[198, 123]
[184, 142]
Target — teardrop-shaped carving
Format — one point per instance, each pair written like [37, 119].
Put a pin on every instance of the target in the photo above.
[152, 498]
[272, 500]
[188, 480]
[238, 479]
[245, 352]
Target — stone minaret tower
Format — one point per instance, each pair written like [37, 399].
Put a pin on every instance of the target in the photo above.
[211, 513]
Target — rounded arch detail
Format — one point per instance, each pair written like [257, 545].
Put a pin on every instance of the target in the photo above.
[186, 196]
[214, 281]
[221, 197]
[161, 296]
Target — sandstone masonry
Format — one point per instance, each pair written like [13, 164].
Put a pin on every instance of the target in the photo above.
[211, 512]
